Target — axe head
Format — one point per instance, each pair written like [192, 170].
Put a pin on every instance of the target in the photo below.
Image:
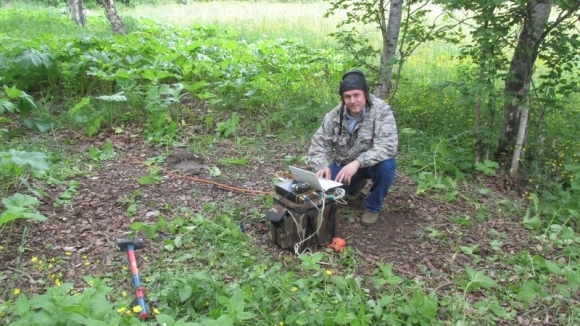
[124, 243]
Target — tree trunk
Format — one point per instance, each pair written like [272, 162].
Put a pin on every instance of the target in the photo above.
[519, 76]
[521, 138]
[113, 16]
[78, 12]
[390, 32]
[478, 104]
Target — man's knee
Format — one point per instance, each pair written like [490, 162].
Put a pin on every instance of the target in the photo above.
[386, 168]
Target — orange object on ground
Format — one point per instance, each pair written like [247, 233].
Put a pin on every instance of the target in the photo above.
[337, 244]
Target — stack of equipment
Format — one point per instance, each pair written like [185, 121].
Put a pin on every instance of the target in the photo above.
[302, 217]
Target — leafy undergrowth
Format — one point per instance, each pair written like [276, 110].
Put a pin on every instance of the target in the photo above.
[448, 250]
[208, 259]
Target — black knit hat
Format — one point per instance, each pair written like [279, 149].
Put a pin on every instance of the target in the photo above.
[353, 79]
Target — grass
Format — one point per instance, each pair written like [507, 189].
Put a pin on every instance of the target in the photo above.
[251, 21]
[18, 24]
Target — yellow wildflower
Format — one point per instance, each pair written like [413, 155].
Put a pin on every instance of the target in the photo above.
[124, 294]
[34, 259]
[137, 309]
[294, 289]
[1, 248]
[156, 311]
[281, 323]
[121, 310]
[85, 256]
[16, 291]
[328, 272]
[128, 312]
[68, 253]
[57, 282]
[87, 263]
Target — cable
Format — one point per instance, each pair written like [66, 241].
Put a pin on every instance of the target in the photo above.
[179, 175]
[321, 213]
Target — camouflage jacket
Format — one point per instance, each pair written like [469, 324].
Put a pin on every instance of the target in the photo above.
[373, 140]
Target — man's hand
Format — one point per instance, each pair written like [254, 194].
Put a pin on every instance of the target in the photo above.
[324, 173]
[347, 172]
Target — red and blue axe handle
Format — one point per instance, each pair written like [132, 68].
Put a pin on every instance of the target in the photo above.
[130, 245]
[139, 290]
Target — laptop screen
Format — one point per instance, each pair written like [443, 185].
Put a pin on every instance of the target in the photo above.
[312, 180]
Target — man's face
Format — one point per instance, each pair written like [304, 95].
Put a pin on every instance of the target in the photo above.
[355, 101]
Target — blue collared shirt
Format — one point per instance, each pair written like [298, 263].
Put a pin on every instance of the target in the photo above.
[351, 122]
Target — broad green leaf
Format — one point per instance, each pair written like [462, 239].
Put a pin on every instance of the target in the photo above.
[573, 278]
[185, 292]
[6, 105]
[237, 302]
[574, 213]
[19, 200]
[203, 276]
[483, 280]
[30, 58]
[13, 92]
[26, 105]
[44, 317]
[340, 317]
[429, 307]
[178, 241]
[39, 125]
[214, 171]
[35, 160]
[533, 223]
[196, 86]
[235, 161]
[225, 320]
[563, 290]
[165, 320]
[244, 315]
[553, 267]
[408, 131]
[529, 292]
[34, 216]
[22, 305]
[470, 250]
[81, 104]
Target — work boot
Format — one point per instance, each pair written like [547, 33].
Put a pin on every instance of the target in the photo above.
[369, 219]
[354, 196]
[350, 198]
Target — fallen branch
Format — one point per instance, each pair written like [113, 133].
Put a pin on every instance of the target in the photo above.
[30, 279]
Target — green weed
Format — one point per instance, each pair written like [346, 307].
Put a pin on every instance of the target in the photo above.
[19, 206]
[103, 154]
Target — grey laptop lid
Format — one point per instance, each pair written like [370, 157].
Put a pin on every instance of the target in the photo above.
[312, 180]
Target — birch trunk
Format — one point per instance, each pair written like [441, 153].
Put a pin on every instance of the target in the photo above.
[521, 138]
[78, 12]
[519, 77]
[111, 13]
[390, 32]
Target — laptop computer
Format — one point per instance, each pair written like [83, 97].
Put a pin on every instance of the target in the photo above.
[312, 180]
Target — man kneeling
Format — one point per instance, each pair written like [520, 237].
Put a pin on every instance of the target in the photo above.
[362, 133]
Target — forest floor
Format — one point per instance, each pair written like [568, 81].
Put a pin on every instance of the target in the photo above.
[419, 235]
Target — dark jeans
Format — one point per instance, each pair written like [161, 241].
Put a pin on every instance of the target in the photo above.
[382, 174]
